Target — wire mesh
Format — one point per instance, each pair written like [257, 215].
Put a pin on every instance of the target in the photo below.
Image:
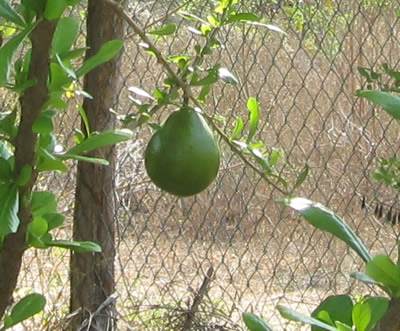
[261, 255]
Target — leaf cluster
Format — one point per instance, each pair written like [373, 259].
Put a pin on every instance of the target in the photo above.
[340, 312]
[65, 74]
[190, 80]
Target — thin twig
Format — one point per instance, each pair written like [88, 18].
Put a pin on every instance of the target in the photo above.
[187, 93]
[107, 302]
[121, 11]
[198, 299]
[163, 18]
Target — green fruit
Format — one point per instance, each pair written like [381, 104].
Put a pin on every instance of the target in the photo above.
[182, 157]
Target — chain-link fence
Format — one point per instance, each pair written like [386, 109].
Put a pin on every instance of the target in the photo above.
[256, 253]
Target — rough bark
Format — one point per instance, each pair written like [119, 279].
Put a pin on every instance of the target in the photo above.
[391, 320]
[92, 274]
[25, 144]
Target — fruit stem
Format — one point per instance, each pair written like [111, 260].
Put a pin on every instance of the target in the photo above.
[185, 102]
[187, 93]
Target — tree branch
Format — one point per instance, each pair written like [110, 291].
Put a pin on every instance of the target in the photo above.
[187, 92]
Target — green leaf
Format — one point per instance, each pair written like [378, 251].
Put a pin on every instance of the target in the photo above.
[392, 73]
[192, 17]
[239, 125]
[58, 79]
[338, 307]
[56, 101]
[36, 242]
[24, 176]
[224, 5]
[7, 12]
[206, 29]
[378, 307]
[5, 152]
[105, 138]
[6, 55]
[47, 161]
[44, 123]
[168, 29]
[76, 246]
[54, 220]
[241, 144]
[213, 20]
[297, 317]
[9, 203]
[179, 58]
[364, 278]
[43, 203]
[85, 120]
[268, 26]
[302, 177]
[73, 54]
[105, 53]
[211, 78]
[70, 72]
[226, 76]
[343, 327]
[195, 31]
[7, 124]
[361, 316]
[71, 75]
[88, 159]
[22, 85]
[262, 161]
[364, 72]
[6, 172]
[323, 316]
[274, 157]
[170, 81]
[65, 35]
[78, 136]
[25, 308]
[47, 142]
[383, 270]
[27, 14]
[255, 323]
[36, 5]
[219, 118]
[161, 96]
[54, 9]
[205, 90]
[38, 227]
[389, 102]
[140, 92]
[82, 94]
[324, 219]
[252, 106]
[242, 17]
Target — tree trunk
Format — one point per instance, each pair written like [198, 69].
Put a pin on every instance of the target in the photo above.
[25, 145]
[92, 274]
[391, 320]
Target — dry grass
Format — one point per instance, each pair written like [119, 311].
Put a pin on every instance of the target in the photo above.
[156, 277]
[262, 255]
